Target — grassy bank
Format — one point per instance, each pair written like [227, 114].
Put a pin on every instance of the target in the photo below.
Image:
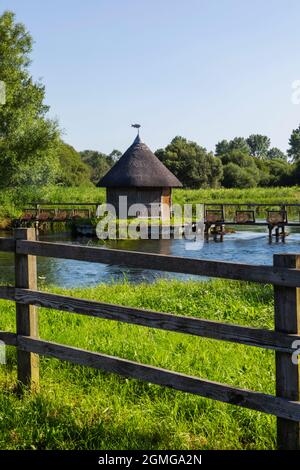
[79, 408]
[12, 201]
[15, 199]
[257, 195]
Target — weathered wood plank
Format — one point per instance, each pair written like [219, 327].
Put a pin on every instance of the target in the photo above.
[221, 269]
[26, 315]
[182, 324]
[9, 338]
[287, 320]
[7, 244]
[7, 292]
[205, 388]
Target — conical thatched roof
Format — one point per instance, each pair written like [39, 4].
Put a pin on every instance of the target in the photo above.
[139, 167]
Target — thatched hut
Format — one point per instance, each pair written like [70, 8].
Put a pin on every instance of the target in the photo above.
[143, 178]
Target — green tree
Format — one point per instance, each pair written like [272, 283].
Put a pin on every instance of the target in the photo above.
[216, 169]
[98, 162]
[276, 172]
[237, 177]
[73, 172]
[295, 173]
[114, 156]
[222, 147]
[192, 164]
[239, 158]
[280, 172]
[240, 170]
[28, 140]
[239, 143]
[294, 145]
[259, 145]
[276, 154]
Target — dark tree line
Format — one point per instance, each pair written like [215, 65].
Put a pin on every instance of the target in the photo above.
[238, 163]
[192, 164]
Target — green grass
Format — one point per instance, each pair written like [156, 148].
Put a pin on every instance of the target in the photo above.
[257, 195]
[80, 408]
[13, 200]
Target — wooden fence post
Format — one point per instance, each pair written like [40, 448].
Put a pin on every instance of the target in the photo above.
[26, 315]
[287, 320]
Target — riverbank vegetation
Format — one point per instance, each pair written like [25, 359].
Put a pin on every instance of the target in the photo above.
[13, 201]
[80, 408]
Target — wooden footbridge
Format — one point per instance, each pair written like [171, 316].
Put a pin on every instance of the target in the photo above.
[42, 215]
[275, 217]
[58, 212]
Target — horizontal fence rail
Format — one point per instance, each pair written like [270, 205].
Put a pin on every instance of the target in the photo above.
[284, 275]
[220, 269]
[7, 244]
[182, 324]
[8, 338]
[250, 336]
[177, 264]
[205, 388]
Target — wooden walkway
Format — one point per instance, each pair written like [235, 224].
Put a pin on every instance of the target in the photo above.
[58, 212]
[276, 217]
[218, 216]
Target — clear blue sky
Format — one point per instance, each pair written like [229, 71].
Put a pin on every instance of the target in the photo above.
[203, 69]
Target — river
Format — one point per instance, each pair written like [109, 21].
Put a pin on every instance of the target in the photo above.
[242, 246]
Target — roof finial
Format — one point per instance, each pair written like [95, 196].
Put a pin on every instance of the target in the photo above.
[136, 126]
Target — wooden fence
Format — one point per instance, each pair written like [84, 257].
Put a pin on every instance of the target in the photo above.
[284, 275]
